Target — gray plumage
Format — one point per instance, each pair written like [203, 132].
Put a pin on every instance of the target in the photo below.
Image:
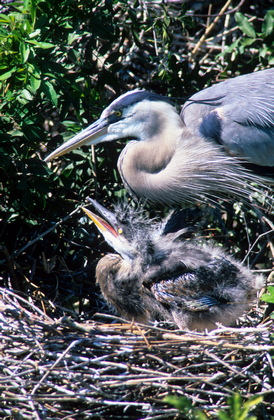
[237, 114]
[158, 274]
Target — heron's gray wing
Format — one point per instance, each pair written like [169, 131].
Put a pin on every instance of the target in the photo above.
[181, 293]
[244, 132]
[239, 114]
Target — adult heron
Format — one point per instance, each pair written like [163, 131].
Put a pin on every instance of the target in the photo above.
[196, 156]
[159, 275]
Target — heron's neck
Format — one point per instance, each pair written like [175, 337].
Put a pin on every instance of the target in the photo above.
[178, 166]
[152, 155]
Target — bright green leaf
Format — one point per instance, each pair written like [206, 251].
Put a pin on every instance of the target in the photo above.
[5, 19]
[43, 45]
[8, 74]
[268, 23]
[35, 83]
[268, 297]
[247, 42]
[257, 399]
[245, 26]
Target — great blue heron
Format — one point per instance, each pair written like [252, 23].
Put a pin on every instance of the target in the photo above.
[195, 157]
[159, 275]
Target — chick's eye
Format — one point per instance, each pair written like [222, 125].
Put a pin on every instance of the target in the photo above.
[118, 113]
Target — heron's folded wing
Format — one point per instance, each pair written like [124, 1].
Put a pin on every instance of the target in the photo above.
[179, 293]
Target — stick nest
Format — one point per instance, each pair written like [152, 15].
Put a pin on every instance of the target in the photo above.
[109, 368]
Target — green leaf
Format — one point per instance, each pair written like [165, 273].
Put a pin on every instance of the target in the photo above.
[246, 42]
[43, 45]
[268, 23]
[73, 37]
[235, 402]
[268, 297]
[222, 415]
[35, 82]
[24, 51]
[26, 95]
[5, 19]
[8, 74]
[33, 9]
[245, 26]
[250, 403]
[50, 92]
[34, 76]
[239, 410]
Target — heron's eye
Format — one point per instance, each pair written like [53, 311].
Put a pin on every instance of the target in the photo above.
[118, 113]
[120, 231]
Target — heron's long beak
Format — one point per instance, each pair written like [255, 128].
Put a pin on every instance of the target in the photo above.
[91, 135]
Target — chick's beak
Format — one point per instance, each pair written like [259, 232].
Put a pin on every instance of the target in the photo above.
[93, 134]
[101, 224]
[111, 230]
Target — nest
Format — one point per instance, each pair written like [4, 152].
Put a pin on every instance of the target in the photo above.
[109, 368]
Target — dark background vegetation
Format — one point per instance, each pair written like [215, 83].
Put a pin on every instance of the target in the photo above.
[61, 63]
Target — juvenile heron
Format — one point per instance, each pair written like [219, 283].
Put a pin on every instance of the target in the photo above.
[159, 275]
[196, 156]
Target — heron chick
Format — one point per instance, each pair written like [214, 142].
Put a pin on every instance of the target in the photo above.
[159, 275]
[172, 159]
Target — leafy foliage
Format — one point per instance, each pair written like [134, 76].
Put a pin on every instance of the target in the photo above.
[261, 40]
[238, 410]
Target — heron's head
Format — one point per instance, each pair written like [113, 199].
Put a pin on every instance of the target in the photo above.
[115, 232]
[135, 115]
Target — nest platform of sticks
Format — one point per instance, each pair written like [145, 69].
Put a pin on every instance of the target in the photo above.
[109, 368]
